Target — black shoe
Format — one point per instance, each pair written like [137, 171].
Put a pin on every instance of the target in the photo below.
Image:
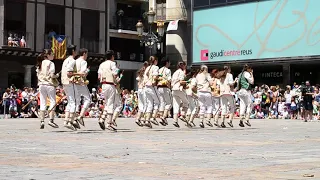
[53, 124]
[230, 124]
[216, 124]
[111, 128]
[209, 123]
[138, 122]
[222, 125]
[148, 124]
[155, 122]
[192, 124]
[102, 125]
[80, 121]
[201, 125]
[183, 119]
[70, 126]
[42, 125]
[114, 123]
[189, 125]
[162, 123]
[176, 124]
[248, 123]
[76, 124]
[241, 124]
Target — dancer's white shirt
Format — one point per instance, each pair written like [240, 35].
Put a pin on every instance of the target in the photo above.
[149, 74]
[67, 66]
[177, 76]
[225, 84]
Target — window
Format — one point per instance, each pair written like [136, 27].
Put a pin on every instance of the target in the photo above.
[90, 25]
[161, 10]
[55, 19]
[132, 13]
[15, 15]
[201, 3]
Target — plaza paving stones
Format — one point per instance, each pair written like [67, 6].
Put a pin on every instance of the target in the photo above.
[270, 149]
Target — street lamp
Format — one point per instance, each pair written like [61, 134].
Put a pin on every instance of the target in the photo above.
[150, 39]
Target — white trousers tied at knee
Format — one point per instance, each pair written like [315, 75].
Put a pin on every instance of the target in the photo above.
[226, 100]
[192, 108]
[141, 100]
[118, 103]
[165, 98]
[47, 91]
[179, 98]
[216, 105]
[83, 91]
[152, 99]
[205, 102]
[245, 101]
[109, 92]
[70, 91]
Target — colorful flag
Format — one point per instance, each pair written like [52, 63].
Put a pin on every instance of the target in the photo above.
[59, 46]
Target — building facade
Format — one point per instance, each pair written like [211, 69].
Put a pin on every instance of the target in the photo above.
[278, 38]
[26, 28]
[177, 42]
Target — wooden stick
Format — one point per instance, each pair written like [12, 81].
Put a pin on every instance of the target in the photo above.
[31, 99]
[57, 103]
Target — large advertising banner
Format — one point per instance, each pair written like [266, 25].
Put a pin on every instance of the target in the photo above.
[259, 30]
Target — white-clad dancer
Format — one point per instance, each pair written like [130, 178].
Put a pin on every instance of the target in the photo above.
[226, 84]
[81, 86]
[192, 98]
[164, 91]
[107, 75]
[215, 90]
[150, 78]
[47, 86]
[67, 71]
[204, 81]
[141, 95]
[178, 93]
[245, 82]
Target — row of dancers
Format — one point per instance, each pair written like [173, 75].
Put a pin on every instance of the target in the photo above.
[198, 93]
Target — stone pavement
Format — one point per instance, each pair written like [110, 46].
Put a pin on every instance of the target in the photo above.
[271, 149]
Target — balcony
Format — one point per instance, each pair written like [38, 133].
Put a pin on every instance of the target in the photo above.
[15, 40]
[129, 56]
[91, 44]
[125, 23]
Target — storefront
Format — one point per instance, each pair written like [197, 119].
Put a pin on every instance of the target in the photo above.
[281, 46]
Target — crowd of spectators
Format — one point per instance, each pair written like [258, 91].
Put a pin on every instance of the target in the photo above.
[17, 103]
[269, 102]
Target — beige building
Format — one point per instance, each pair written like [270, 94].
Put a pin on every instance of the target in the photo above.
[178, 43]
[93, 24]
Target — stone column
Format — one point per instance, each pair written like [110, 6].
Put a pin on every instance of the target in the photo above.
[68, 25]
[286, 74]
[77, 28]
[102, 32]
[108, 22]
[27, 75]
[1, 21]
[30, 25]
[41, 20]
